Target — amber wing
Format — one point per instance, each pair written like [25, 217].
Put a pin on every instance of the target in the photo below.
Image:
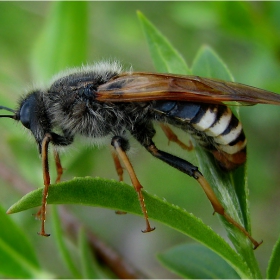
[138, 86]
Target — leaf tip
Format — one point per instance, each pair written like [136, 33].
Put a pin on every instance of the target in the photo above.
[139, 14]
[10, 210]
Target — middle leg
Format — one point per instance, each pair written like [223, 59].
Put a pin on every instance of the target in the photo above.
[120, 145]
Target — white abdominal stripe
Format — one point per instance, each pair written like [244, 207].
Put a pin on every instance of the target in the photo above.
[223, 127]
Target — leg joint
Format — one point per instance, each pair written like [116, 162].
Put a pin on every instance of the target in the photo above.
[176, 162]
[118, 141]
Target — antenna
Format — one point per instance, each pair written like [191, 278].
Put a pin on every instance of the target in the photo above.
[8, 109]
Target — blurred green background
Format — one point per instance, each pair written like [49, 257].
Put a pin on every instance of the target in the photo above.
[246, 35]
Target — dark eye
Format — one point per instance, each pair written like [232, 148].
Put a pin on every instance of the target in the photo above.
[25, 114]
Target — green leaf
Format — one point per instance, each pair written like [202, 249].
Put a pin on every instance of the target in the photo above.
[63, 42]
[231, 187]
[209, 64]
[223, 186]
[60, 241]
[17, 252]
[196, 262]
[99, 192]
[89, 265]
[166, 59]
[273, 270]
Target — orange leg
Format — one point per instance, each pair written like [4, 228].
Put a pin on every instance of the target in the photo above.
[220, 209]
[171, 136]
[119, 170]
[46, 175]
[59, 169]
[117, 143]
[118, 165]
[203, 183]
[191, 170]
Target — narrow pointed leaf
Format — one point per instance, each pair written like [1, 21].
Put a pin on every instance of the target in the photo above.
[231, 188]
[273, 270]
[119, 196]
[209, 64]
[90, 267]
[60, 241]
[63, 41]
[16, 251]
[194, 261]
[166, 59]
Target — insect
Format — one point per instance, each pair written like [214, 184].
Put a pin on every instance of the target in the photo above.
[101, 100]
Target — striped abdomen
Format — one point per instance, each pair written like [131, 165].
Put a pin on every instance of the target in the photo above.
[213, 126]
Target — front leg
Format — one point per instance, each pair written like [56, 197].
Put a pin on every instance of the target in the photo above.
[59, 168]
[56, 140]
[46, 176]
[120, 144]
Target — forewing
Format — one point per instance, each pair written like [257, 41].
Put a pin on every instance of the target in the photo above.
[136, 87]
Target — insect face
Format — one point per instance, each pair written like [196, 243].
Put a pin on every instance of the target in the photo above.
[32, 114]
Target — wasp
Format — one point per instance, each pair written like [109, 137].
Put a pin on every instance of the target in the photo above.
[103, 100]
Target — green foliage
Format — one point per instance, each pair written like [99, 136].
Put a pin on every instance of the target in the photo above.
[222, 183]
[194, 261]
[90, 267]
[208, 64]
[57, 45]
[98, 192]
[63, 42]
[165, 57]
[17, 256]
[273, 270]
[61, 244]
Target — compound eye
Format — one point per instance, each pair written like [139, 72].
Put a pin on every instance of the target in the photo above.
[25, 114]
